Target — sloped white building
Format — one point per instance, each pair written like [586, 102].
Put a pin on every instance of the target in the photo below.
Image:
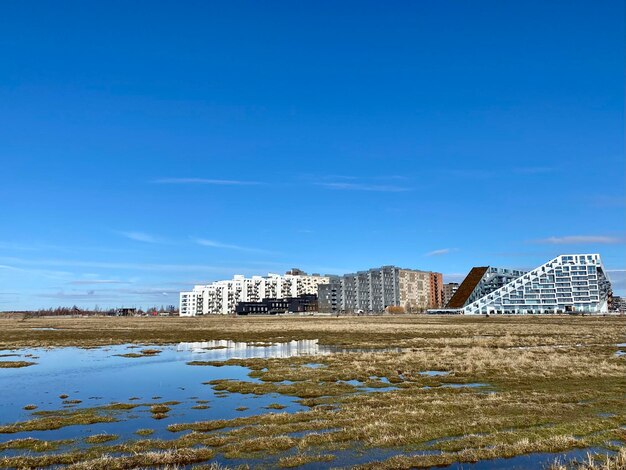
[567, 283]
[221, 297]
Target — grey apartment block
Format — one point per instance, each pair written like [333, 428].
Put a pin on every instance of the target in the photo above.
[369, 291]
[449, 289]
[329, 295]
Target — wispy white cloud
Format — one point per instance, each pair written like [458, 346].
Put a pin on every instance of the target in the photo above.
[38, 246]
[442, 251]
[386, 188]
[21, 246]
[228, 246]
[469, 173]
[122, 265]
[50, 274]
[140, 237]
[362, 178]
[618, 280]
[109, 294]
[489, 173]
[581, 239]
[604, 201]
[97, 281]
[533, 170]
[454, 277]
[218, 182]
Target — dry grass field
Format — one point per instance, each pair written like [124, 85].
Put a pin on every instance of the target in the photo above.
[387, 331]
[547, 384]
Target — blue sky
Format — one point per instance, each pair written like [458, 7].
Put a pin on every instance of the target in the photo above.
[148, 146]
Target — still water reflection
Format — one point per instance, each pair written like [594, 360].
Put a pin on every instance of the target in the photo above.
[101, 376]
[73, 378]
[219, 350]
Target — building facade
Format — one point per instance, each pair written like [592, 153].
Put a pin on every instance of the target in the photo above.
[481, 281]
[374, 290]
[617, 304]
[566, 284]
[449, 289]
[301, 304]
[222, 297]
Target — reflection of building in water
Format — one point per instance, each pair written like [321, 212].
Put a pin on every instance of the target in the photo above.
[217, 350]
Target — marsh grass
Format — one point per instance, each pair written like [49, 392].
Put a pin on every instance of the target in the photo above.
[100, 438]
[549, 378]
[161, 408]
[86, 461]
[594, 462]
[150, 352]
[58, 420]
[302, 389]
[378, 332]
[298, 460]
[122, 406]
[30, 407]
[15, 364]
[275, 406]
[159, 411]
[46, 420]
[540, 400]
[144, 432]
[143, 353]
[34, 445]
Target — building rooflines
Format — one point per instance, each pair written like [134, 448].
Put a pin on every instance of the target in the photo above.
[466, 288]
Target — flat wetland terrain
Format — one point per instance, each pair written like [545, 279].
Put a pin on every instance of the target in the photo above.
[313, 392]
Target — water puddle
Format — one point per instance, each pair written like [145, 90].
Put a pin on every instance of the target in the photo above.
[382, 379]
[221, 350]
[375, 384]
[71, 379]
[434, 373]
[143, 389]
[456, 385]
[468, 385]
[326, 349]
[528, 461]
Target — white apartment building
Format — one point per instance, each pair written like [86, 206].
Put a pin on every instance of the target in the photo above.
[565, 284]
[221, 297]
